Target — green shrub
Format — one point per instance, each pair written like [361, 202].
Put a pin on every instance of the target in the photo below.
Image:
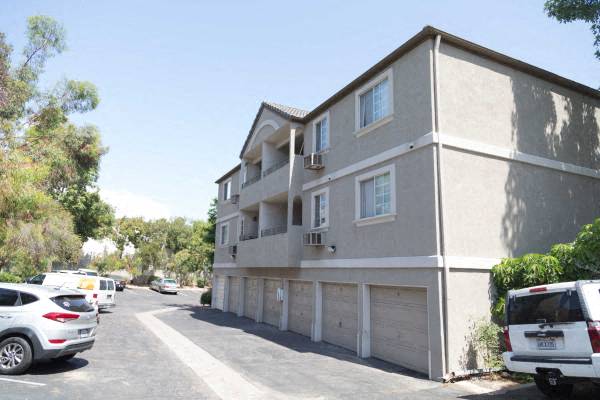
[206, 298]
[201, 282]
[9, 278]
[564, 262]
[489, 342]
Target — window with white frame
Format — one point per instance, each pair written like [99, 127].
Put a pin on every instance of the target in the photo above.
[375, 100]
[224, 239]
[321, 137]
[320, 208]
[227, 190]
[375, 194]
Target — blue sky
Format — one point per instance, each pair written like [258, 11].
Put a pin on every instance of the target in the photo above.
[181, 81]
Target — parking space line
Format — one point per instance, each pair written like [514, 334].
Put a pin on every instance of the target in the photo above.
[24, 382]
[223, 380]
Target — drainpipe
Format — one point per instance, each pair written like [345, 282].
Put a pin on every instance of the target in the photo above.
[440, 205]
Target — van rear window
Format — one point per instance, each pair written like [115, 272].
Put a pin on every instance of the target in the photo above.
[542, 308]
[73, 303]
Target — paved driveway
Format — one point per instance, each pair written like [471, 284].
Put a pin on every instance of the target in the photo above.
[189, 352]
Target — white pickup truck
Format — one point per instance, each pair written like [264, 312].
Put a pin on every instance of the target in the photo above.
[553, 332]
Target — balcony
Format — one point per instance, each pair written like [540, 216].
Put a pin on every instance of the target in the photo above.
[275, 167]
[283, 249]
[276, 230]
[248, 236]
[250, 181]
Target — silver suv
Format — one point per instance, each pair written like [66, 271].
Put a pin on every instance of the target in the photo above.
[42, 323]
[553, 332]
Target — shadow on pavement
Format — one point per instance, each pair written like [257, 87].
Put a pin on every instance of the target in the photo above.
[57, 367]
[582, 391]
[290, 340]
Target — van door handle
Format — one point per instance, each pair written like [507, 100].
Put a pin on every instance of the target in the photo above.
[6, 316]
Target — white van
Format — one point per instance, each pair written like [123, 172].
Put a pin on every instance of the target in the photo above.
[98, 291]
[553, 333]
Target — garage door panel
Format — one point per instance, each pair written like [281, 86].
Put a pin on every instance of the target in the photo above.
[219, 292]
[251, 298]
[234, 293]
[300, 300]
[340, 314]
[271, 306]
[399, 326]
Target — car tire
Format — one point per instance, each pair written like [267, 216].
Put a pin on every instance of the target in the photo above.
[15, 346]
[562, 390]
[64, 358]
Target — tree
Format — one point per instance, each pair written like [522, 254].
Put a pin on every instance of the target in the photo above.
[577, 10]
[210, 232]
[48, 166]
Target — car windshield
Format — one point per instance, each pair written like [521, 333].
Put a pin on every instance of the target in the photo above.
[557, 307]
[169, 281]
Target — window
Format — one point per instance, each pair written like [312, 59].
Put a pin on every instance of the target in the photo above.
[557, 307]
[103, 283]
[28, 298]
[320, 208]
[226, 190]
[8, 298]
[37, 280]
[374, 102]
[375, 196]
[321, 134]
[224, 234]
[111, 285]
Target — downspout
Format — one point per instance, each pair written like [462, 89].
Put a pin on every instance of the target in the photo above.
[440, 205]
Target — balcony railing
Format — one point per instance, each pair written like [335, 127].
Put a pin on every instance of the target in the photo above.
[250, 181]
[276, 230]
[248, 236]
[275, 167]
[235, 199]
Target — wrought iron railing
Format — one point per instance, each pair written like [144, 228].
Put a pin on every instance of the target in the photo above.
[248, 236]
[235, 199]
[275, 167]
[275, 230]
[250, 181]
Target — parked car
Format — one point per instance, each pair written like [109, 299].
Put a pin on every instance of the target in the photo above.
[99, 292]
[164, 285]
[42, 323]
[553, 333]
[120, 283]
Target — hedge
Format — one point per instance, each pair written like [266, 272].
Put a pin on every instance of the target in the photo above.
[564, 262]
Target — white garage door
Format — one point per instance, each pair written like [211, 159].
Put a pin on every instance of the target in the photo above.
[271, 307]
[251, 295]
[340, 314]
[219, 291]
[300, 300]
[399, 330]
[234, 294]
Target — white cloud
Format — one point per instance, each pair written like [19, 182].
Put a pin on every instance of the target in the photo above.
[129, 204]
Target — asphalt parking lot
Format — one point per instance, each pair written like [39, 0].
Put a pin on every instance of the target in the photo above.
[155, 346]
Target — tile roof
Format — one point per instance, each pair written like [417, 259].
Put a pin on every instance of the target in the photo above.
[287, 111]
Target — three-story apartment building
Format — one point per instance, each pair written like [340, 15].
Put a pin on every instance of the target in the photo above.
[372, 221]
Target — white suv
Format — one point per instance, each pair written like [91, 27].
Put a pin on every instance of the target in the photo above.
[38, 322]
[553, 332]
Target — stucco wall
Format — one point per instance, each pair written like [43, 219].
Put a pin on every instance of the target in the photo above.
[412, 116]
[225, 207]
[412, 233]
[485, 101]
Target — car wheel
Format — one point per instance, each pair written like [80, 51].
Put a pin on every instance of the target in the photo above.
[15, 356]
[561, 390]
[64, 358]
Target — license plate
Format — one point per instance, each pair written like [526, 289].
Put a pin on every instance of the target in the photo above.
[109, 296]
[546, 344]
[84, 333]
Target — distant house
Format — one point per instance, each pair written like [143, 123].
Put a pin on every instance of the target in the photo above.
[372, 221]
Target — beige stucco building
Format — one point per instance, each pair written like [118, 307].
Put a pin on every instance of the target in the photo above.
[372, 221]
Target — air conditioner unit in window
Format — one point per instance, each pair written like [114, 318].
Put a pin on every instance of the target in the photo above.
[235, 199]
[233, 250]
[314, 239]
[314, 161]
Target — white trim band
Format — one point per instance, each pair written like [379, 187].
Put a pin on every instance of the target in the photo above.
[224, 265]
[434, 261]
[226, 217]
[458, 143]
